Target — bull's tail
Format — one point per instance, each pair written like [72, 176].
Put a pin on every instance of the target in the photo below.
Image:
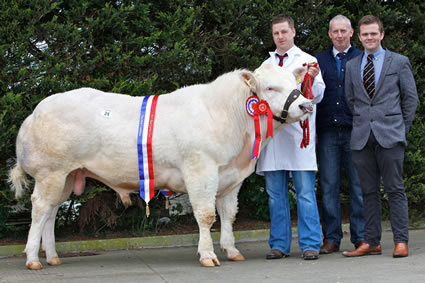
[18, 180]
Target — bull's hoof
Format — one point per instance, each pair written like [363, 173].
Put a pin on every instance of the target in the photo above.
[34, 265]
[54, 261]
[238, 257]
[210, 262]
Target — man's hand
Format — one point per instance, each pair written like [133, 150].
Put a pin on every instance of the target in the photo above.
[313, 71]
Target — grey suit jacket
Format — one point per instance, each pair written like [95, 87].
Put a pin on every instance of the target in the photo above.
[391, 110]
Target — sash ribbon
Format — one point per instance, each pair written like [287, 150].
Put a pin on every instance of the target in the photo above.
[144, 148]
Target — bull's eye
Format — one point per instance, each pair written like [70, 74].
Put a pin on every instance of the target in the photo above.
[274, 88]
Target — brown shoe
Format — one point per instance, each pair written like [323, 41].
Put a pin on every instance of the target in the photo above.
[328, 248]
[400, 250]
[275, 254]
[364, 249]
[310, 255]
[357, 244]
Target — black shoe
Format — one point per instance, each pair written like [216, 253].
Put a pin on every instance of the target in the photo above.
[275, 254]
[310, 255]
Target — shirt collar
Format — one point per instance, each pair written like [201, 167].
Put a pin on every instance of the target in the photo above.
[294, 50]
[377, 54]
[335, 52]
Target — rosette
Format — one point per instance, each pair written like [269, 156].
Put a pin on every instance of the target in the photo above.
[251, 105]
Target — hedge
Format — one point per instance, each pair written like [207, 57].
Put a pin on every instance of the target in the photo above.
[153, 47]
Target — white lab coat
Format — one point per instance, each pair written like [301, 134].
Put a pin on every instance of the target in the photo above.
[283, 152]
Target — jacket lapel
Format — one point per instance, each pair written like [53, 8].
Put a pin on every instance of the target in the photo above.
[357, 66]
[385, 67]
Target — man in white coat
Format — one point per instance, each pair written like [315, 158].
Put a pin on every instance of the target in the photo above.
[283, 157]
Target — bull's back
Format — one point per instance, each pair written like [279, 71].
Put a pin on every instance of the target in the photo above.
[71, 128]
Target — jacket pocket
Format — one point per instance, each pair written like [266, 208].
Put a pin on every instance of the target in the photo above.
[392, 114]
[391, 75]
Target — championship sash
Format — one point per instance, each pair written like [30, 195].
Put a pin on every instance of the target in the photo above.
[144, 147]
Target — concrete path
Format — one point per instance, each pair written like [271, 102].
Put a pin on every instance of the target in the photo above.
[181, 265]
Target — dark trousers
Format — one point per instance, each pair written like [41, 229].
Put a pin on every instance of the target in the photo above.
[373, 162]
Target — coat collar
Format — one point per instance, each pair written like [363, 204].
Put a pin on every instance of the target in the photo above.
[385, 67]
[294, 50]
[387, 61]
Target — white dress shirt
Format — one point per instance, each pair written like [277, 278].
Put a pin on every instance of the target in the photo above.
[283, 152]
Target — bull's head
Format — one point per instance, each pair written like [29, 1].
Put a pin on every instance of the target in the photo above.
[279, 88]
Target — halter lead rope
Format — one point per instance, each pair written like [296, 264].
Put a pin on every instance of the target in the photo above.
[307, 92]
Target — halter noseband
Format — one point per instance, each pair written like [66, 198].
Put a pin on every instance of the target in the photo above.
[291, 98]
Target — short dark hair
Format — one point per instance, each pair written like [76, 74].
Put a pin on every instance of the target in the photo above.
[370, 19]
[281, 18]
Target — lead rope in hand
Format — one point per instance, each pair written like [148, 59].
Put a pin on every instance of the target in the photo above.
[306, 89]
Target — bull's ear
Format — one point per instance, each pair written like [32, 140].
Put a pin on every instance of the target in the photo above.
[249, 79]
[299, 74]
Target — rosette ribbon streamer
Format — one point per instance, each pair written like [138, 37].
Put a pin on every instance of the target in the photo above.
[256, 107]
[306, 90]
[166, 193]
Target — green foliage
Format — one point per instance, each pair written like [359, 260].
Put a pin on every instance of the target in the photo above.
[253, 196]
[155, 46]
[4, 214]
[414, 177]
[99, 210]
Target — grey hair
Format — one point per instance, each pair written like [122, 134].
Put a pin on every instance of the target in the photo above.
[340, 18]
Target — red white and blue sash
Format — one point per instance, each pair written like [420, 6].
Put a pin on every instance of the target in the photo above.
[144, 147]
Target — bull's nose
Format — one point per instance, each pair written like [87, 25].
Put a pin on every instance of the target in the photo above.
[306, 107]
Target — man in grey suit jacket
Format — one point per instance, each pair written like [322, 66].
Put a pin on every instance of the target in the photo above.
[381, 93]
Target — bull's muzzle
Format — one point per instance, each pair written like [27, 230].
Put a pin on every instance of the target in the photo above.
[306, 107]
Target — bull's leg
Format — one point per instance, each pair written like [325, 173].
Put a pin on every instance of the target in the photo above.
[227, 207]
[48, 236]
[205, 216]
[48, 239]
[39, 214]
[201, 179]
[45, 199]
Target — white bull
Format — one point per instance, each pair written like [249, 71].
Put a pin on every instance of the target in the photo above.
[202, 145]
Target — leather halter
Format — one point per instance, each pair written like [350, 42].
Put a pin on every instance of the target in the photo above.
[291, 98]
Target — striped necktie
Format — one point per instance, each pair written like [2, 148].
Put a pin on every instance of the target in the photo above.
[281, 57]
[369, 76]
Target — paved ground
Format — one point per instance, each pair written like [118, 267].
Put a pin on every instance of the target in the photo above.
[182, 265]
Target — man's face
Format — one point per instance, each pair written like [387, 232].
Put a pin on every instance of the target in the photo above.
[283, 36]
[340, 33]
[371, 37]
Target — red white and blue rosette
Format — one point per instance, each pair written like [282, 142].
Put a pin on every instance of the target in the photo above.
[250, 105]
[256, 107]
